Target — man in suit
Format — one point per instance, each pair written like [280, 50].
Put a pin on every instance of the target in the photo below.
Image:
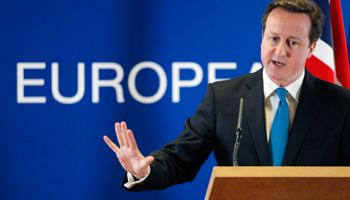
[318, 120]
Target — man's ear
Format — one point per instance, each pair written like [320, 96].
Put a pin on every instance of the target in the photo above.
[311, 49]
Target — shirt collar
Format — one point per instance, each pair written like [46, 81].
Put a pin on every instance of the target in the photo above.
[293, 88]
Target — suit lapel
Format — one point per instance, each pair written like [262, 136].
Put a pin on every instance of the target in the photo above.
[255, 113]
[308, 106]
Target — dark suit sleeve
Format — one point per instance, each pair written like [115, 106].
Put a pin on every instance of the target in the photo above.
[345, 152]
[179, 161]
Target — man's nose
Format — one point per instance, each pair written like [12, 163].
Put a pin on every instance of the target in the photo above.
[281, 49]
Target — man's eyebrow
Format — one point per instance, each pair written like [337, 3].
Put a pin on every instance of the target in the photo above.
[296, 37]
[272, 33]
[291, 37]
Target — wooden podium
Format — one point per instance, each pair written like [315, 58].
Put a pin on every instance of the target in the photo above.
[270, 183]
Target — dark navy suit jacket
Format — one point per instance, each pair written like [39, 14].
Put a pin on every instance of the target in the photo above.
[319, 136]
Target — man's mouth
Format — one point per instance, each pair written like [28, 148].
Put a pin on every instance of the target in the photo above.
[278, 63]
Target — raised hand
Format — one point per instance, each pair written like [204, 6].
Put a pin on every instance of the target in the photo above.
[128, 153]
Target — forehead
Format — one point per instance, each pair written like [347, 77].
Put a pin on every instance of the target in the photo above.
[281, 21]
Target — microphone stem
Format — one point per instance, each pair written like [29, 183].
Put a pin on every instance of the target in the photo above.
[238, 134]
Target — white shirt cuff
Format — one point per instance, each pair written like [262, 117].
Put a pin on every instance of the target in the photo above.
[131, 179]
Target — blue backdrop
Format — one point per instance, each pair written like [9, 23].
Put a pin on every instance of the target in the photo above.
[129, 53]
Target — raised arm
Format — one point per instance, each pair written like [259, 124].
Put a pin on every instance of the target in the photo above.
[128, 153]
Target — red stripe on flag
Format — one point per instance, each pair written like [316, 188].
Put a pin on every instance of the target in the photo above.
[319, 69]
[339, 44]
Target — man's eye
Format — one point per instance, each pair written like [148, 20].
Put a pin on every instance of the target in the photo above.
[293, 44]
[273, 40]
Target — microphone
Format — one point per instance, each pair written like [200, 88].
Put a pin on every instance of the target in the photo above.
[238, 133]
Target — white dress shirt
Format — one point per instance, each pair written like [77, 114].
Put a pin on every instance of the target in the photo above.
[131, 179]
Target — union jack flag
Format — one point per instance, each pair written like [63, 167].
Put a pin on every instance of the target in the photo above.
[330, 58]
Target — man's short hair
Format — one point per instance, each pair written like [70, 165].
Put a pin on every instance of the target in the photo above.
[299, 6]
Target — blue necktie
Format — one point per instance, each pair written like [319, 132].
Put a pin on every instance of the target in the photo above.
[279, 129]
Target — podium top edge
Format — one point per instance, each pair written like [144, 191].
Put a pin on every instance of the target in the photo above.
[268, 171]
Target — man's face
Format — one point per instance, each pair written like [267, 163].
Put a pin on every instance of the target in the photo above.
[285, 45]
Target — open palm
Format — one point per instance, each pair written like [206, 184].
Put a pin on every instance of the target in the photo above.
[128, 153]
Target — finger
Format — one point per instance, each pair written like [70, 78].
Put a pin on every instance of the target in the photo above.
[111, 145]
[118, 131]
[124, 133]
[132, 141]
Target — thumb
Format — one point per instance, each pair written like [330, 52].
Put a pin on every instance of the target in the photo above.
[148, 160]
